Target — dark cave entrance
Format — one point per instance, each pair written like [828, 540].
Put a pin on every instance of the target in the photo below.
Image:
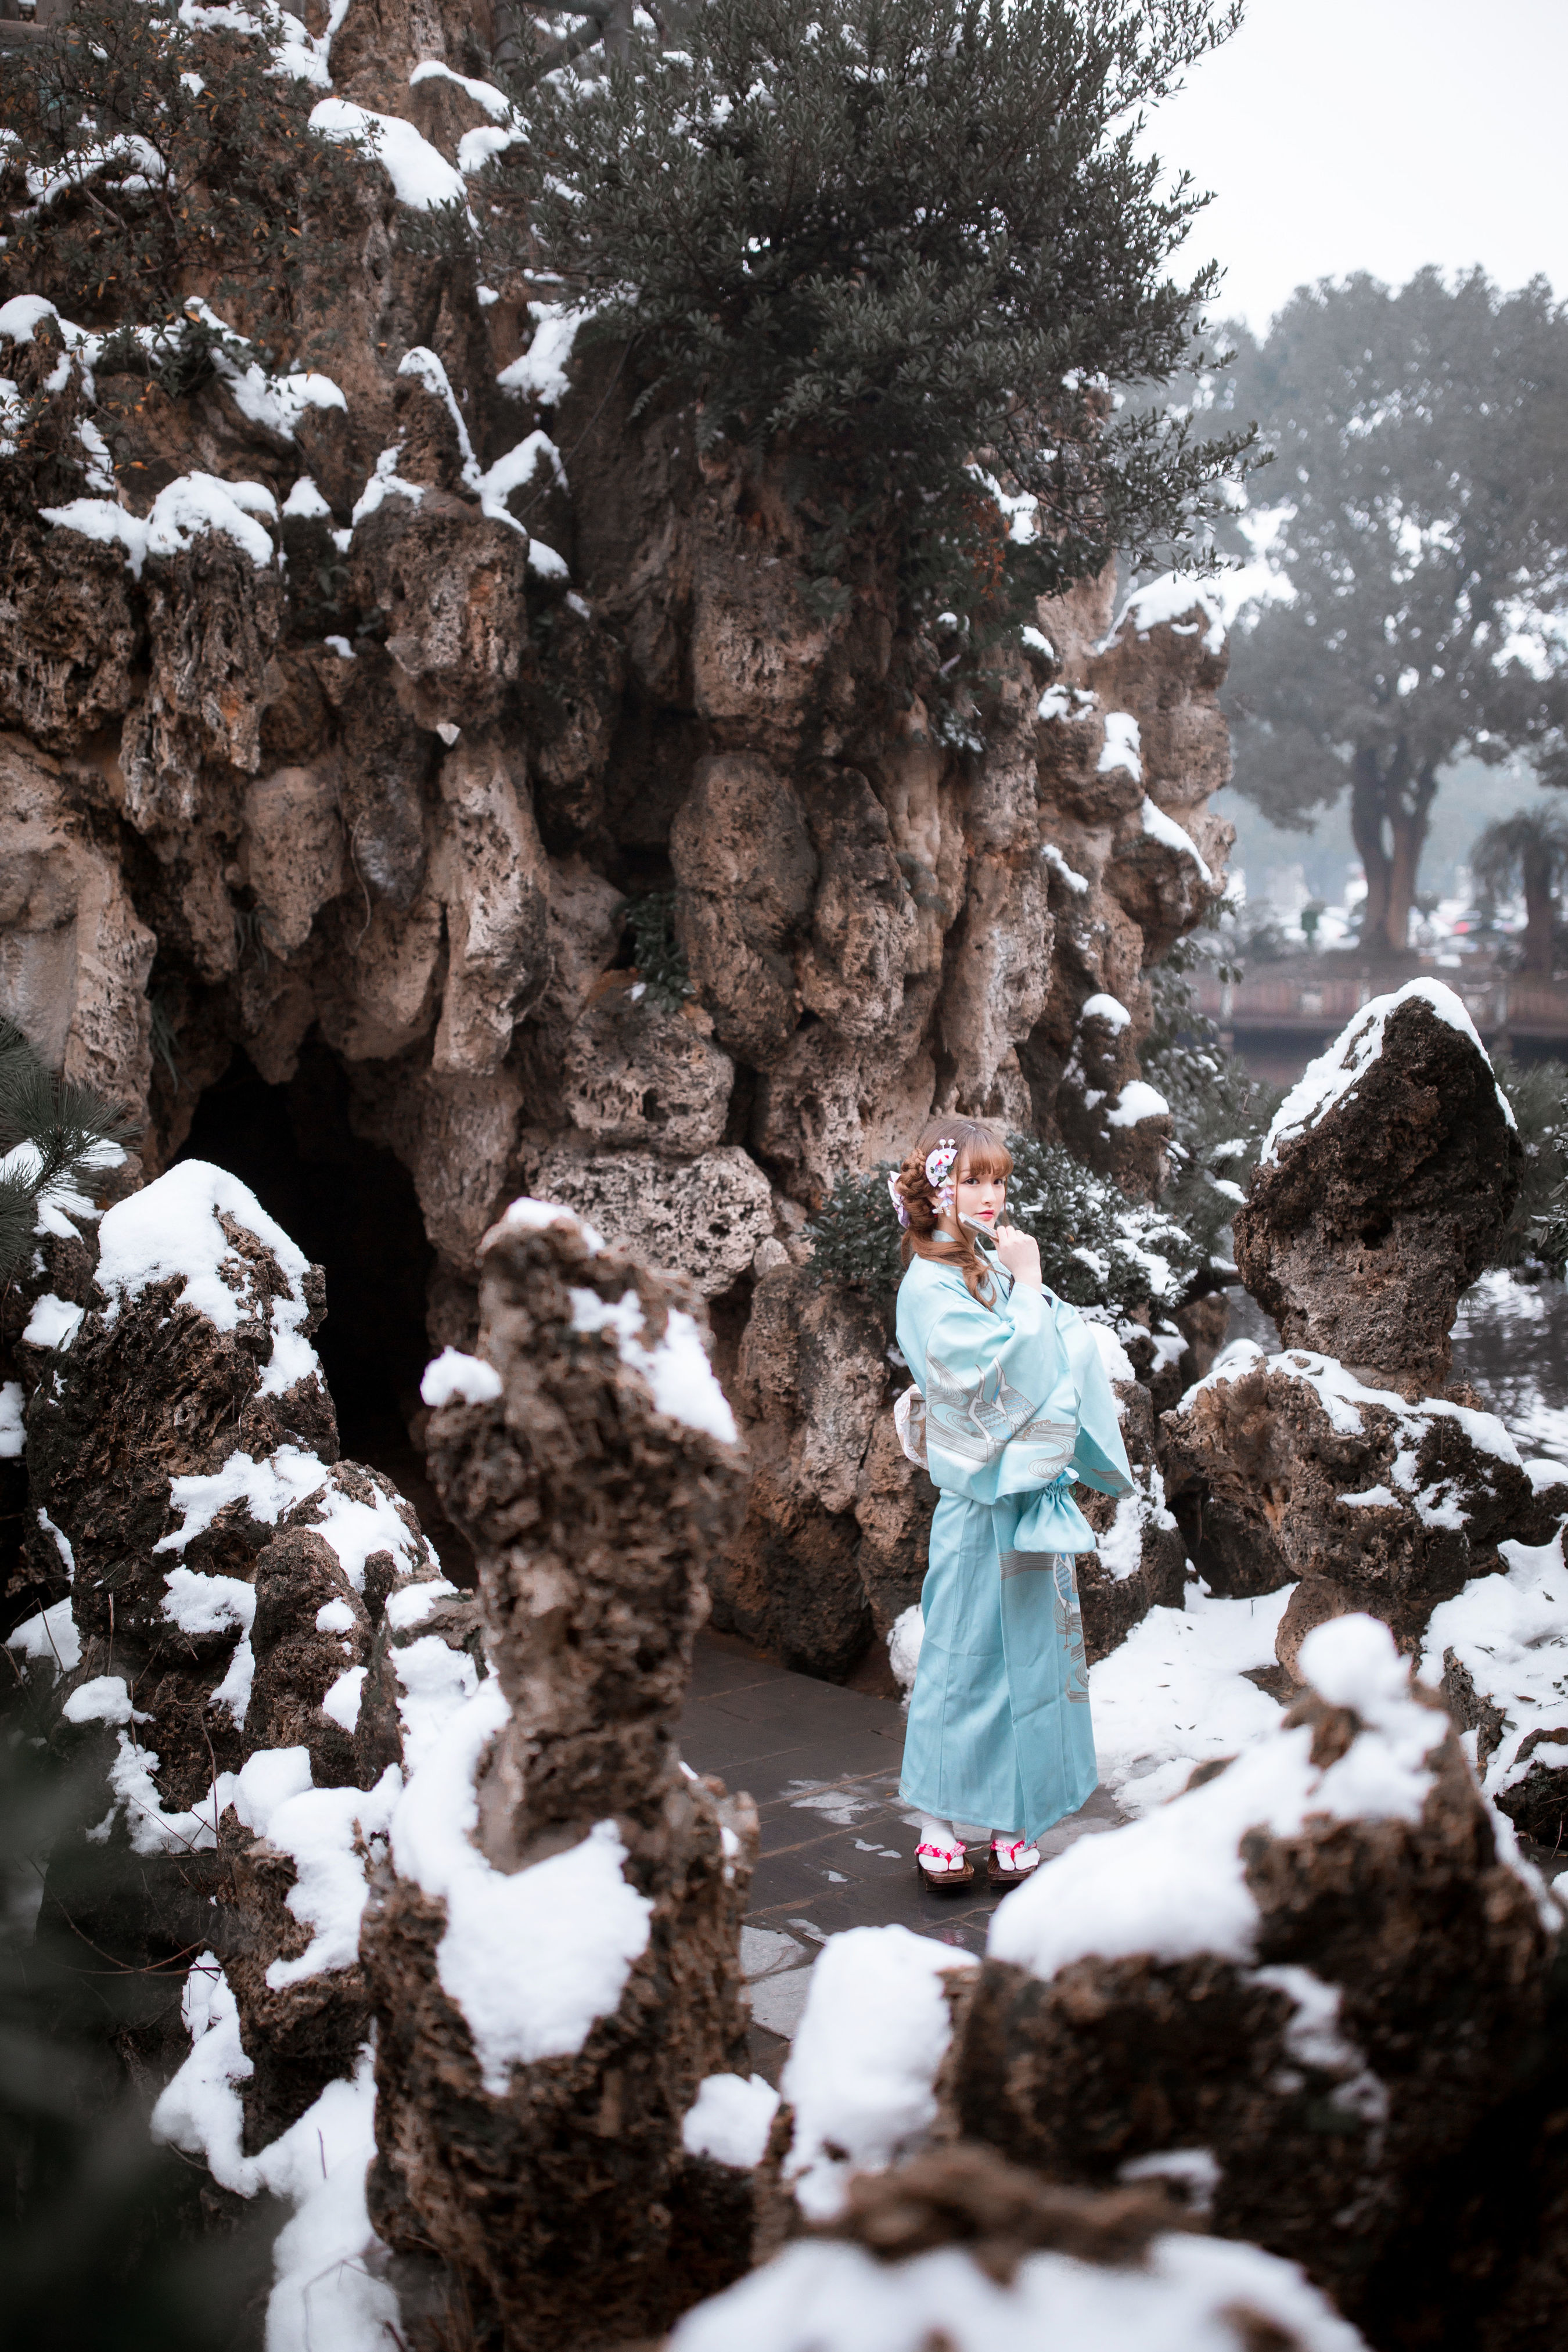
[352, 1207]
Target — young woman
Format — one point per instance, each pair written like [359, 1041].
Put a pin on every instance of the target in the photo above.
[1011, 1405]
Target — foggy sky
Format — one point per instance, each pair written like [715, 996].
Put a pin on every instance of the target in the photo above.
[1377, 134]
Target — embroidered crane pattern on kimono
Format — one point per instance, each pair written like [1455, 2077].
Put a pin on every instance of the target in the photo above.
[975, 1419]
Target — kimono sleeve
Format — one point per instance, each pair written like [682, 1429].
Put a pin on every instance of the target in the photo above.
[1099, 1455]
[1000, 1406]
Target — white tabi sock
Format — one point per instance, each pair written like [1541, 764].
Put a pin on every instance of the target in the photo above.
[945, 1838]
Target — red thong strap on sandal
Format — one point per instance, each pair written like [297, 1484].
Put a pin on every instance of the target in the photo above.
[951, 1857]
[1012, 1861]
[947, 1868]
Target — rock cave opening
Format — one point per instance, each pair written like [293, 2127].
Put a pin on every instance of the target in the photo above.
[351, 1205]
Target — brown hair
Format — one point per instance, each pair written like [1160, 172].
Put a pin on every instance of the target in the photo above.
[983, 1149]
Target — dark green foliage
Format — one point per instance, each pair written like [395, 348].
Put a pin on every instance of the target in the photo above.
[909, 242]
[167, 151]
[1536, 1234]
[1096, 1248]
[51, 1134]
[102, 2245]
[1421, 441]
[661, 964]
[178, 357]
[855, 1235]
[1219, 1111]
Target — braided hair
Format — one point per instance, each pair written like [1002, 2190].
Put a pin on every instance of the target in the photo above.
[982, 1152]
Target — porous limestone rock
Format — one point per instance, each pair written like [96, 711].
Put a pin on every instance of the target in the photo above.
[74, 954]
[528, 2125]
[252, 1636]
[1387, 1174]
[1251, 1993]
[960, 2248]
[810, 1384]
[637, 1074]
[293, 849]
[453, 586]
[1287, 1468]
[746, 870]
[491, 874]
[704, 1216]
[1140, 1561]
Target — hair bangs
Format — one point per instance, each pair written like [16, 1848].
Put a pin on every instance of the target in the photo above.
[987, 1156]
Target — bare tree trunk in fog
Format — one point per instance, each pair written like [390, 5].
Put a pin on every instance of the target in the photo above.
[1366, 832]
[1540, 873]
[1409, 814]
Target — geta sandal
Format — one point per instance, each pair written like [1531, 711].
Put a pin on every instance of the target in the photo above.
[945, 1881]
[1007, 1873]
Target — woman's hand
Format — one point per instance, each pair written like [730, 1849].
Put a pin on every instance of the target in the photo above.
[1020, 1253]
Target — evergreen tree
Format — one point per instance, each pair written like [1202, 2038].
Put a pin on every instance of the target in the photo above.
[910, 242]
[53, 1139]
[1531, 847]
[1420, 513]
[149, 150]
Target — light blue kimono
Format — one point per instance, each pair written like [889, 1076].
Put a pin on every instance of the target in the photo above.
[1014, 1406]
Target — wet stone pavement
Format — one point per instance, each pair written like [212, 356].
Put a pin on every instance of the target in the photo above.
[837, 1844]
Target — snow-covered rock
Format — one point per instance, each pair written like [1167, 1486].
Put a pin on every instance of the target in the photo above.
[1263, 1970]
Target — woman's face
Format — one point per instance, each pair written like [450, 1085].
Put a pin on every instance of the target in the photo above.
[979, 1198]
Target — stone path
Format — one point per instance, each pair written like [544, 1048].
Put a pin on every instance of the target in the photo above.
[838, 1845]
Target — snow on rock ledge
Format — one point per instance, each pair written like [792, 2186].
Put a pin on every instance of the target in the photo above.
[1386, 1176]
[1219, 1975]
[962, 2249]
[1393, 1506]
[860, 2072]
[534, 1958]
[556, 1938]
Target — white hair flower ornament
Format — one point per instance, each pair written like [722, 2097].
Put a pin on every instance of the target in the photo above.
[938, 1172]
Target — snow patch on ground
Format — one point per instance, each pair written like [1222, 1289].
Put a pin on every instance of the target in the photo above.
[1173, 1695]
